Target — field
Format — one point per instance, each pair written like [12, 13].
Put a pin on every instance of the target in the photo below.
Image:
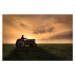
[43, 52]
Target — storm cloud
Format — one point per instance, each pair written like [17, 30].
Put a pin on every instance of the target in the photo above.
[59, 38]
[63, 35]
[23, 25]
[43, 29]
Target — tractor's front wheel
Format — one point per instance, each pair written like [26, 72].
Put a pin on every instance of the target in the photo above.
[20, 43]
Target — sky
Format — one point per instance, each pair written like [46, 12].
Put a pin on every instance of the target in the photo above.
[44, 28]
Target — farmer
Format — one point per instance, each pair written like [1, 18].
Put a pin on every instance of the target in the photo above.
[23, 37]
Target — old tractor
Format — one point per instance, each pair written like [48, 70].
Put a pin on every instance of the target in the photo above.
[22, 42]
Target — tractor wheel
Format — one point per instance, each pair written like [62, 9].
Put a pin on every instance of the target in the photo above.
[34, 45]
[20, 43]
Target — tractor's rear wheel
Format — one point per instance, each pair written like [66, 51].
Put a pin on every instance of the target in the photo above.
[20, 43]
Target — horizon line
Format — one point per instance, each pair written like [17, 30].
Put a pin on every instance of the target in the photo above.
[42, 43]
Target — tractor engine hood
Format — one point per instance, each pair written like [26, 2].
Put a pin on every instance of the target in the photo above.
[30, 40]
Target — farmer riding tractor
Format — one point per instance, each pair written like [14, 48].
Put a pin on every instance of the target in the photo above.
[22, 42]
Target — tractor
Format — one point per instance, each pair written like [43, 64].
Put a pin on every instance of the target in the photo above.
[22, 42]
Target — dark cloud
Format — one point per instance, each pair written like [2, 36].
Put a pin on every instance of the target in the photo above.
[26, 27]
[39, 31]
[51, 29]
[64, 35]
[43, 30]
[23, 25]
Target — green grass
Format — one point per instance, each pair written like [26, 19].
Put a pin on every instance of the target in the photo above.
[41, 52]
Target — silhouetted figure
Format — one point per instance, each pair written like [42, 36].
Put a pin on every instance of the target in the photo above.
[23, 37]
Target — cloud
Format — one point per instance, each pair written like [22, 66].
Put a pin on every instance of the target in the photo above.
[66, 20]
[23, 25]
[39, 31]
[63, 35]
[43, 29]
[51, 29]
[60, 36]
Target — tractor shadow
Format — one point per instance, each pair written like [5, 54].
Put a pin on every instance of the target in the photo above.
[31, 53]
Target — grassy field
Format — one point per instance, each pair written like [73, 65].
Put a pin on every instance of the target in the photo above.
[48, 52]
